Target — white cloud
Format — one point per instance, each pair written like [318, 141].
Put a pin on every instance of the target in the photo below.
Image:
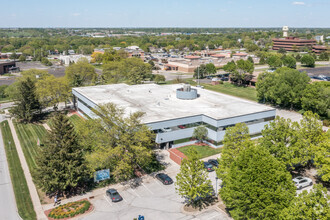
[76, 14]
[298, 3]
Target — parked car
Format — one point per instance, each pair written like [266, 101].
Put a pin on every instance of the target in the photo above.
[181, 126]
[208, 166]
[166, 129]
[214, 162]
[224, 78]
[114, 195]
[164, 178]
[301, 182]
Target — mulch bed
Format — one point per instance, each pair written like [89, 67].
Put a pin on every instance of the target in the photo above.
[91, 207]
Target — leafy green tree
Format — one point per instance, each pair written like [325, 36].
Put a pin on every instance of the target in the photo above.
[200, 71]
[159, 78]
[22, 58]
[13, 56]
[230, 67]
[257, 186]
[274, 62]
[284, 87]
[192, 181]
[240, 72]
[46, 62]
[51, 91]
[324, 56]
[200, 133]
[210, 68]
[289, 61]
[262, 60]
[250, 59]
[322, 159]
[80, 74]
[308, 60]
[281, 50]
[316, 98]
[308, 205]
[61, 164]
[236, 139]
[122, 144]
[26, 101]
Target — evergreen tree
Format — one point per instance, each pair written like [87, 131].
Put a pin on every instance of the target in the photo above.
[27, 104]
[192, 180]
[61, 165]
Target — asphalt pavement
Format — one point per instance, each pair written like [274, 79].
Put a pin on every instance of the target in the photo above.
[8, 209]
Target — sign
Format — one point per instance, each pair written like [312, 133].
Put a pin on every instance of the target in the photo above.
[101, 175]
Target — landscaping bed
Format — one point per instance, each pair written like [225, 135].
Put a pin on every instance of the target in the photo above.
[203, 150]
[70, 210]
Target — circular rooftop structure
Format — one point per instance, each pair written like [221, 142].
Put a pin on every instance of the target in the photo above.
[186, 93]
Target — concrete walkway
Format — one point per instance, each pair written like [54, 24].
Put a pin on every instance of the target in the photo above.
[33, 191]
[8, 207]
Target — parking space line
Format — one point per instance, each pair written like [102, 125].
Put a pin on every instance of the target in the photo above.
[107, 200]
[159, 184]
[215, 216]
[135, 193]
[147, 188]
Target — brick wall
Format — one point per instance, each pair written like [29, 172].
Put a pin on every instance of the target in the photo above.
[176, 155]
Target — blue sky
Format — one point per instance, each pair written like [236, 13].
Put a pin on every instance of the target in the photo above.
[164, 13]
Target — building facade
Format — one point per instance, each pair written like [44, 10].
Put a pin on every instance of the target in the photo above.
[292, 43]
[173, 112]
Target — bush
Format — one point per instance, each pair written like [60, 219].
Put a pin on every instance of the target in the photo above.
[70, 209]
[326, 123]
[308, 60]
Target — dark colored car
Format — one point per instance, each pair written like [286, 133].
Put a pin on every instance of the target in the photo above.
[114, 195]
[214, 162]
[224, 78]
[208, 166]
[164, 178]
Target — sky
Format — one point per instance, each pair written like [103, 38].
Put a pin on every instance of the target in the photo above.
[164, 13]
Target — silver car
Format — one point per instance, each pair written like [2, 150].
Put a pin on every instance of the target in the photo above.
[301, 182]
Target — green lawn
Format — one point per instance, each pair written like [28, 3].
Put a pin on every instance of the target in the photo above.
[28, 135]
[22, 194]
[75, 119]
[238, 91]
[203, 151]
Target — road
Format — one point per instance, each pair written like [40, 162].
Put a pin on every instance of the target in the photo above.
[8, 209]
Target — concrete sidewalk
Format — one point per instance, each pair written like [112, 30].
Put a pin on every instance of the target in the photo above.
[33, 191]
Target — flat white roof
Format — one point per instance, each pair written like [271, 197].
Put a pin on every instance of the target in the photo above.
[159, 102]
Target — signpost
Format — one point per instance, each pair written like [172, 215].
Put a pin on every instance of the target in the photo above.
[101, 175]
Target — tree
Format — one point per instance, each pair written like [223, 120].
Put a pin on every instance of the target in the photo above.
[51, 91]
[236, 139]
[274, 62]
[80, 73]
[200, 71]
[97, 57]
[26, 101]
[281, 50]
[210, 68]
[13, 56]
[192, 181]
[46, 62]
[240, 72]
[308, 205]
[257, 185]
[322, 159]
[315, 98]
[200, 133]
[22, 58]
[159, 78]
[324, 56]
[120, 144]
[289, 61]
[308, 60]
[284, 87]
[250, 59]
[61, 165]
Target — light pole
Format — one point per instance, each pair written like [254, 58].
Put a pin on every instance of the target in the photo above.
[216, 185]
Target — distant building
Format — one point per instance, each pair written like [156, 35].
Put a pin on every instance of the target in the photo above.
[134, 51]
[285, 31]
[289, 43]
[318, 49]
[67, 59]
[319, 38]
[7, 67]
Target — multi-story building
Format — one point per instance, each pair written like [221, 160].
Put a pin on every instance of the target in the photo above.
[292, 43]
[174, 111]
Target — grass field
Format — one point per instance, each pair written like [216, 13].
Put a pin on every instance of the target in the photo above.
[203, 151]
[28, 135]
[238, 91]
[22, 194]
[75, 119]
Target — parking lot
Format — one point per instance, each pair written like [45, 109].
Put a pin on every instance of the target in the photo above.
[151, 199]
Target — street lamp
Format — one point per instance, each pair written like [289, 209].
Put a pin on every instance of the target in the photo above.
[216, 185]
